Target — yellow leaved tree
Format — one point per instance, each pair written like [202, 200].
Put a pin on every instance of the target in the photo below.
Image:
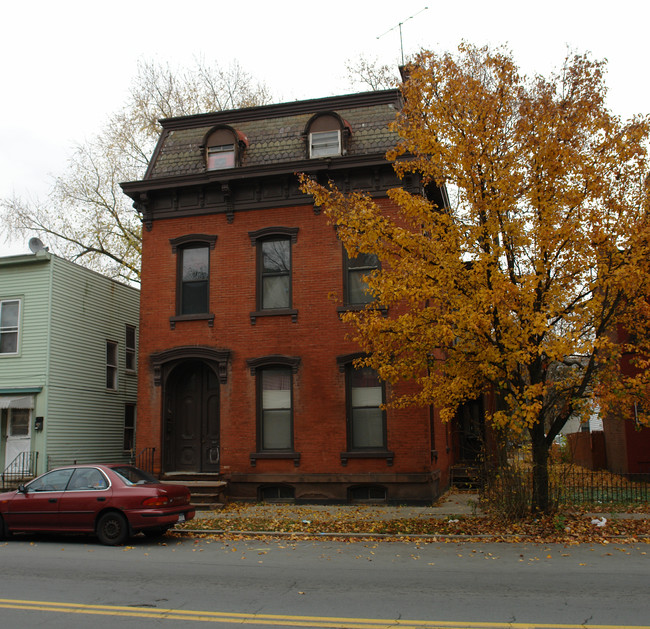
[520, 287]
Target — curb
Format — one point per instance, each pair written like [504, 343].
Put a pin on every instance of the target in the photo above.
[390, 536]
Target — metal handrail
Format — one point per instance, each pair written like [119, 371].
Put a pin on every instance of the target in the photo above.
[21, 468]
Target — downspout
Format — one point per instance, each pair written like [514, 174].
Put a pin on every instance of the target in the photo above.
[43, 464]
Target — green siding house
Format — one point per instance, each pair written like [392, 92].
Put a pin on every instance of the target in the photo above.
[68, 361]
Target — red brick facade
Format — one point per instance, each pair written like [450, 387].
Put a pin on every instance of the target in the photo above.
[414, 465]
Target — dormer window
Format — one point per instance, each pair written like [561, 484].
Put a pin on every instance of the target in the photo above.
[222, 156]
[324, 143]
[327, 135]
[224, 148]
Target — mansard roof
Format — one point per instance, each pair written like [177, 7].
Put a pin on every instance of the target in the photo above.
[270, 145]
[275, 133]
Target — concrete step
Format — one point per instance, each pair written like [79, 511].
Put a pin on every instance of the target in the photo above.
[464, 477]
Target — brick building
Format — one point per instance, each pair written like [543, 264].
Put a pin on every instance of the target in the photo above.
[245, 366]
[627, 443]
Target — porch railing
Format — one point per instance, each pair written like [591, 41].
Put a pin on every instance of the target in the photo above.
[22, 468]
[144, 459]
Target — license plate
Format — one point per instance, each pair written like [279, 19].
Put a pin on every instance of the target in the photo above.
[181, 517]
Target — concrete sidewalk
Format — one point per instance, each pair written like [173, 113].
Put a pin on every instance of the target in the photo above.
[453, 504]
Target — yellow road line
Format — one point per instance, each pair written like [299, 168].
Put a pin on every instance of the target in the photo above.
[157, 613]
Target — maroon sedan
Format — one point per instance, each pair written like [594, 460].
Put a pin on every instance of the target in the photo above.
[112, 501]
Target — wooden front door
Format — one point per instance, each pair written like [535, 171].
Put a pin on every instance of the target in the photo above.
[192, 430]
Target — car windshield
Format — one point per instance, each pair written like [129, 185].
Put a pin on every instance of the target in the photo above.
[133, 475]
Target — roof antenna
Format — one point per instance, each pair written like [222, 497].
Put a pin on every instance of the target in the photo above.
[401, 45]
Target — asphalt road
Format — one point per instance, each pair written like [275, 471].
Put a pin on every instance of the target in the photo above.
[74, 582]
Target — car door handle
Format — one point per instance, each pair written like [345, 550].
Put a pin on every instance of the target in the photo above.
[101, 499]
[52, 500]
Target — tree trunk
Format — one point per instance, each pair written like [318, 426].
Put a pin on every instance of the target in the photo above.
[541, 497]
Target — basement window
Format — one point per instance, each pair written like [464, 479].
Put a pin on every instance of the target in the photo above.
[367, 494]
[277, 493]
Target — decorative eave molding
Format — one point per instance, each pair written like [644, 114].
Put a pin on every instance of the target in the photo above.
[138, 190]
[196, 195]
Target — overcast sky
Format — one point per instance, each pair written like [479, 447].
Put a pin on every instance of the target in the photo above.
[67, 64]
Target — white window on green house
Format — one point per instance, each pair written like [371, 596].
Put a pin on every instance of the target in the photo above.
[9, 318]
[130, 353]
[111, 365]
[129, 427]
[19, 422]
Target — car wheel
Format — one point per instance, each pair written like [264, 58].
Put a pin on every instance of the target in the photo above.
[157, 532]
[112, 529]
[3, 531]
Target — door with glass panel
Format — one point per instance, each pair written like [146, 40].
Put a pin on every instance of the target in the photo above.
[18, 440]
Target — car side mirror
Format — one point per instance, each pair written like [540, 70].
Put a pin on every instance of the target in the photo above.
[22, 489]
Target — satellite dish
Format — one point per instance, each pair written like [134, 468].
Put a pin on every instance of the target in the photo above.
[35, 245]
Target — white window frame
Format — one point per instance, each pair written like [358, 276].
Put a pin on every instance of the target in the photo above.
[13, 414]
[321, 143]
[11, 329]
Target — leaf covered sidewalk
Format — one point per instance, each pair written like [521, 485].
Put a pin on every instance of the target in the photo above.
[456, 517]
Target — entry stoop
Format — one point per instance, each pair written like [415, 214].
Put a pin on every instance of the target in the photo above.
[208, 491]
[464, 476]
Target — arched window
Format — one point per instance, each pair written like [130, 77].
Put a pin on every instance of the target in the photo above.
[274, 383]
[354, 279]
[365, 396]
[193, 274]
[327, 135]
[224, 148]
[366, 419]
[274, 270]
